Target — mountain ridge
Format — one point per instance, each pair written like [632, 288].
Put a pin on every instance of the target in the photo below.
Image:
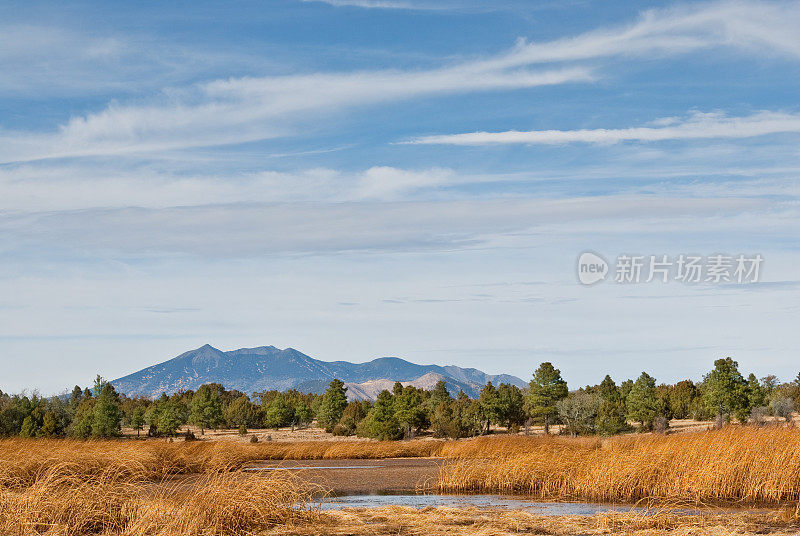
[264, 368]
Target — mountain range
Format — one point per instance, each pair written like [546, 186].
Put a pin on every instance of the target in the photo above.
[253, 370]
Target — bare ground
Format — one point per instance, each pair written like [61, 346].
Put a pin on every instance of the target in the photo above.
[362, 476]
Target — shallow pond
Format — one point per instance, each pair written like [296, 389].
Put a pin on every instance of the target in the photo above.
[465, 501]
[311, 467]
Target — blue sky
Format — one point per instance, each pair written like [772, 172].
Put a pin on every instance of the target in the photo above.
[413, 177]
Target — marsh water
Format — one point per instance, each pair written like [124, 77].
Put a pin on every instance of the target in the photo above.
[362, 483]
[420, 500]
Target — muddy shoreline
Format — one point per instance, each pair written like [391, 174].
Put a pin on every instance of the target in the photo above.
[360, 476]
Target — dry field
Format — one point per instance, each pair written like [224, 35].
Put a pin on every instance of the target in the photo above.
[737, 464]
[392, 521]
[61, 487]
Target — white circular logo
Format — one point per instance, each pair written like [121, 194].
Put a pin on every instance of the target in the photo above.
[591, 268]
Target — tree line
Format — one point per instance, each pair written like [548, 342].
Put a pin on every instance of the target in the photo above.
[642, 404]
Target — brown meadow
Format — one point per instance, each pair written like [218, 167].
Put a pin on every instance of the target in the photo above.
[60, 487]
[737, 464]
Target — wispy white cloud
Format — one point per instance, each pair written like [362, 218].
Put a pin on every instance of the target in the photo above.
[258, 229]
[47, 60]
[753, 26]
[381, 4]
[30, 188]
[696, 126]
[245, 109]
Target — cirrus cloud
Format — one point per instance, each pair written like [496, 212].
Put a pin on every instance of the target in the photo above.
[697, 126]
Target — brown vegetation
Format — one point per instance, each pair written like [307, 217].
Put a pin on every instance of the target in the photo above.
[60, 487]
[743, 464]
[393, 520]
[23, 461]
[63, 500]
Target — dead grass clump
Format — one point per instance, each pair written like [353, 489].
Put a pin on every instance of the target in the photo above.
[392, 520]
[61, 502]
[222, 504]
[500, 447]
[22, 461]
[736, 464]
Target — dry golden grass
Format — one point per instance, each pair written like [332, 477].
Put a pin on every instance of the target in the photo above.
[22, 461]
[63, 502]
[125, 488]
[741, 464]
[394, 520]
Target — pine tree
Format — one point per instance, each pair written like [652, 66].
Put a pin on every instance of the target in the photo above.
[490, 405]
[381, 422]
[681, 399]
[303, 414]
[611, 413]
[409, 411]
[545, 390]
[726, 391]
[137, 419]
[50, 425]
[81, 426]
[206, 408]
[641, 402]
[278, 413]
[512, 406]
[333, 403]
[169, 417]
[107, 411]
[239, 412]
[29, 428]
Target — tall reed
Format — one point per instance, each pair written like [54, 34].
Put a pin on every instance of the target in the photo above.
[741, 464]
[22, 460]
[63, 502]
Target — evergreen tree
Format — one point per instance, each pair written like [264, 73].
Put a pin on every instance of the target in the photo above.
[81, 426]
[206, 408]
[169, 417]
[467, 417]
[756, 393]
[440, 394]
[726, 390]
[239, 412]
[409, 410]
[137, 419]
[681, 399]
[75, 399]
[611, 412]
[641, 402]
[332, 407]
[545, 390]
[512, 406]
[381, 422]
[29, 428]
[443, 422]
[490, 405]
[663, 394]
[107, 411]
[50, 425]
[303, 414]
[278, 413]
[353, 414]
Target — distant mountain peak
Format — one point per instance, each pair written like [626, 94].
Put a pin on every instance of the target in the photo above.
[267, 368]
